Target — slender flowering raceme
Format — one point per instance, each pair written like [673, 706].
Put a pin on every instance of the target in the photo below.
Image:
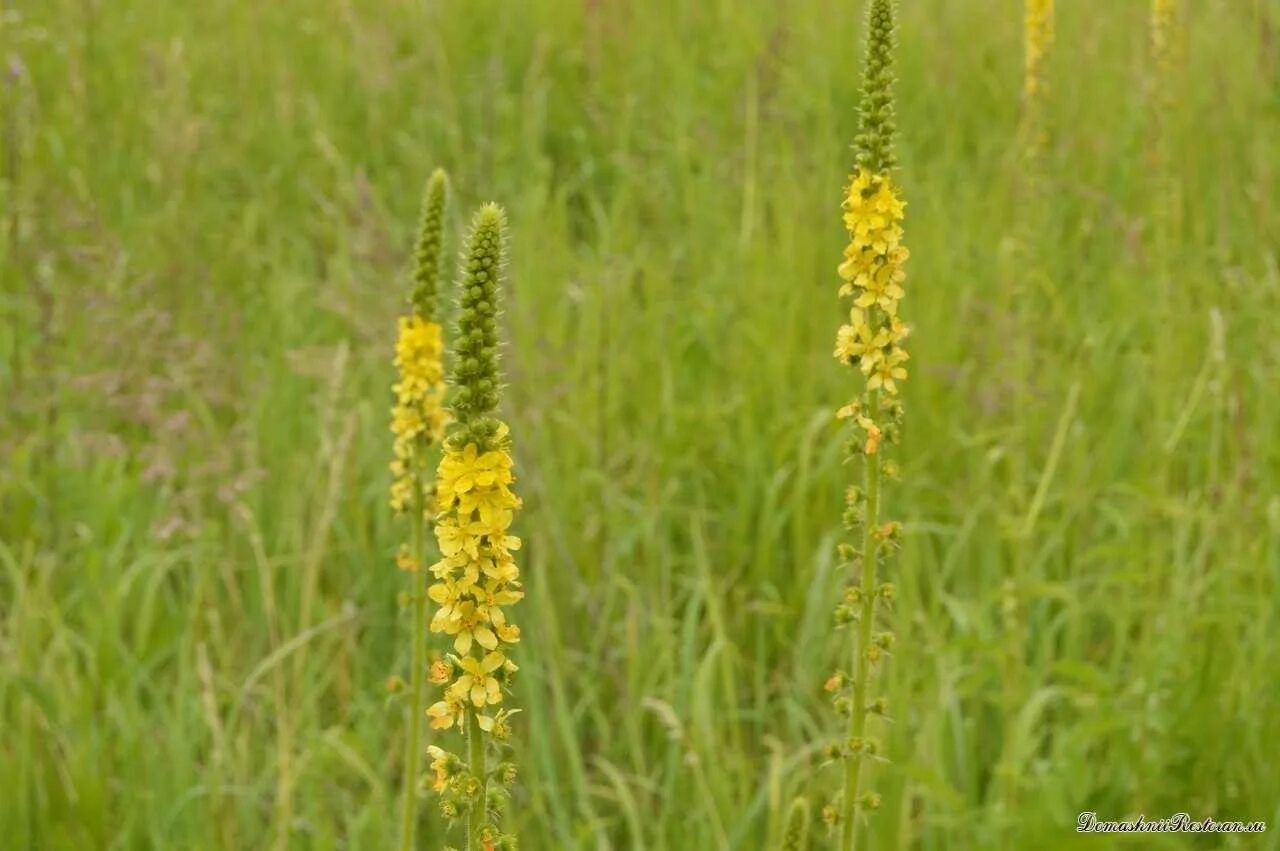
[418, 418]
[476, 579]
[1039, 39]
[1031, 218]
[1038, 33]
[418, 421]
[872, 276]
[1166, 26]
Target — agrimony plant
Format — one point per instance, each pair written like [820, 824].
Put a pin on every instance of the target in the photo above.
[872, 275]
[417, 423]
[476, 577]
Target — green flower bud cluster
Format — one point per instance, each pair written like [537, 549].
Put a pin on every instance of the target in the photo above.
[429, 248]
[874, 143]
[463, 792]
[475, 363]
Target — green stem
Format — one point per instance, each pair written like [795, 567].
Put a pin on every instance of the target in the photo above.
[479, 807]
[861, 664]
[409, 825]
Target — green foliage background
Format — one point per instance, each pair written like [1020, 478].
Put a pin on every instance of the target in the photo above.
[207, 216]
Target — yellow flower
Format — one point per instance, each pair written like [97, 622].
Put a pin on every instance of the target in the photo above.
[501, 567]
[494, 506]
[858, 344]
[495, 595]
[445, 713]
[405, 560]
[478, 683]
[467, 469]
[446, 567]
[418, 350]
[497, 725]
[882, 292]
[448, 595]
[455, 538]
[873, 434]
[888, 369]
[441, 672]
[467, 622]
[443, 764]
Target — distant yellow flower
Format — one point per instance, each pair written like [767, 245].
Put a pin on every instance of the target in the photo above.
[455, 538]
[850, 410]
[1039, 39]
[417, 422]
[418, 418]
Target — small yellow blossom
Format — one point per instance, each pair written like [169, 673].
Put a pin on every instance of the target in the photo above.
[405, 560]
[886, 370]
[445, 713]
[478, 682]
[873, 435]
[441, 672]
[442, 763]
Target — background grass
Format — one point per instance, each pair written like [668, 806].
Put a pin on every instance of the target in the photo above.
[207, 211]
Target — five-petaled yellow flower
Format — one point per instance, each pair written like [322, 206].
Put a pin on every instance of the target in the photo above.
[477, 682]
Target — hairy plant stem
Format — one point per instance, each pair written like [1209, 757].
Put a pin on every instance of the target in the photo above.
[475, 740]
[410, 822]
[861, 664]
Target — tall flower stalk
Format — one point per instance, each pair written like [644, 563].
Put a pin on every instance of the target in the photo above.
[872, 274]
[418, 422]
[1038, 35]
[1166, 31]
[476, 578]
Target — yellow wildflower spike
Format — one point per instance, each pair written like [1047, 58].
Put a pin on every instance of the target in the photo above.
[478, 578]
[417, 422]
[872, 274]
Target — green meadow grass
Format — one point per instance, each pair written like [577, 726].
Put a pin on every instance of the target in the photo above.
[208, 210]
